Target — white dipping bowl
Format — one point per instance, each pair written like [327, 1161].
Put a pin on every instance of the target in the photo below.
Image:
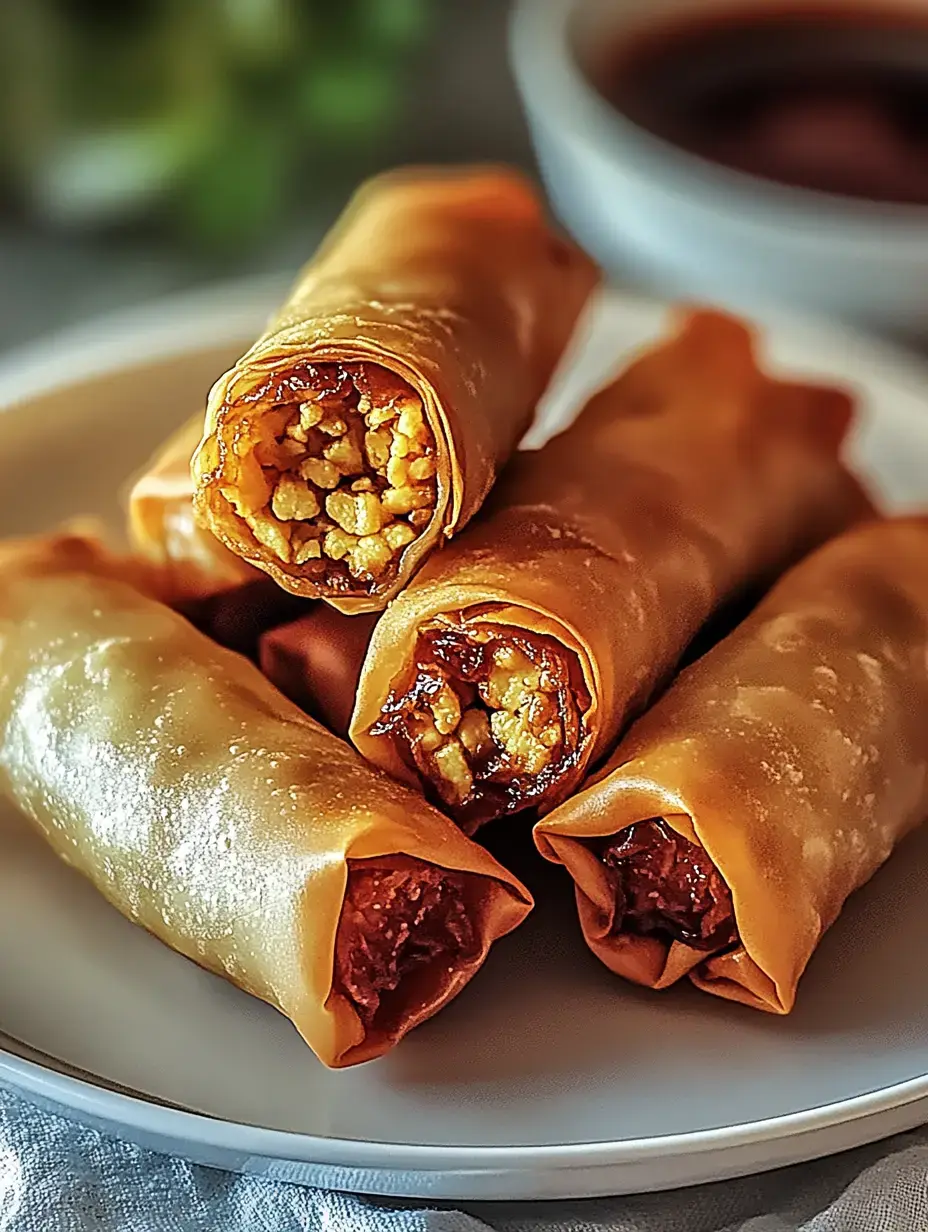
[658, 216]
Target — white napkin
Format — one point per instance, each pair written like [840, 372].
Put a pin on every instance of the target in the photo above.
[59, 1177]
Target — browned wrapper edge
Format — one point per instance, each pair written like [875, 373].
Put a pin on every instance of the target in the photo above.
[391, 650]
[643, 960]
[513, 903]
[215, 513]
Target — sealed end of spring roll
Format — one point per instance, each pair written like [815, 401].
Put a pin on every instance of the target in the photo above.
[316, 662]
[368, 424]
[768, 783]
[213, 813]
[516, 656]
[163, 529]
[234, 603]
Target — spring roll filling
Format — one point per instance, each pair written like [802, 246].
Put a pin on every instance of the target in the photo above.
[332, 469]
[666, 886]
[397, 923]
[492, 720]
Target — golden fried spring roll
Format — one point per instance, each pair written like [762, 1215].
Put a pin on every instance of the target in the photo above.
[163, 529]
[770, 781]
[370, 420]
[212, 812]
[316, 662]
[220, 593]
[518, 654]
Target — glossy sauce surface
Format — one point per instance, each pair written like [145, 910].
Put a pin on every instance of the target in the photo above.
[829, 99]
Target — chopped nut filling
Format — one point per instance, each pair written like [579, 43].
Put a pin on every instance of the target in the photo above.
[395, 922]
[492, 718]
[667, 886]
[333, 471]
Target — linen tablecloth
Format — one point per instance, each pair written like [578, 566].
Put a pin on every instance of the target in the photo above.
[59, 1177]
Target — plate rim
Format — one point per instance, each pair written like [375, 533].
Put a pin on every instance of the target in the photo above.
[152, 1115]
[228, 312]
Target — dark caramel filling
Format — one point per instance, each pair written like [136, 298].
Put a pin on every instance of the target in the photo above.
[332, 467]
[491, 719]
[666, 886]
[396, 923]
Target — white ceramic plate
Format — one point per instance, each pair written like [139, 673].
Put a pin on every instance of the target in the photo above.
[547, 1077]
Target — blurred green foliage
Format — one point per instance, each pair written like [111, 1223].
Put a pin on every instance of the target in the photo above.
[212, 117]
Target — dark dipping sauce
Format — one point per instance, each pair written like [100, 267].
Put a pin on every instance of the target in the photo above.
[829, 99]
[666, 886]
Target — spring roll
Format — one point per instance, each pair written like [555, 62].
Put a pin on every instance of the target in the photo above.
[369, 422]
[772, 779]
[517, 655]
[316, 661]
[239, 619]
[163, 529]
[234, 603]
[213, 813]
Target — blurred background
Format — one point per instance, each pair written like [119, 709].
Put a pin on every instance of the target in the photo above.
[749, 152]
[147, 146]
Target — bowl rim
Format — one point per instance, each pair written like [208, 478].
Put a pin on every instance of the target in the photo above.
[546, 70]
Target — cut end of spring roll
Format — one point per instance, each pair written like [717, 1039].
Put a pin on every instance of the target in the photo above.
[332, 473]
[652, 904]
[410, 936]
[370, 421]
[212, 812]
[406, 929]
[664, 885]
[770, 781]
[492, 719]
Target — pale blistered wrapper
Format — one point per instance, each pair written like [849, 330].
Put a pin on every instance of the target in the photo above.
[794, 753]
[203, 804]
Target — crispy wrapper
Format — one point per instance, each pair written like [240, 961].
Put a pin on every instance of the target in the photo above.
[212, 812]
[595, 563]
[316, 662]
[792, 756]
[369, 422]
[163, 529]
[220, 593]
